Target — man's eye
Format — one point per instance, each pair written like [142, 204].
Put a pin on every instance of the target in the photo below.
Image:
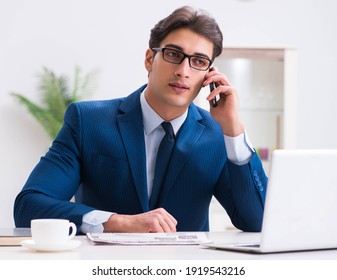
[173, 54]
[199, 61]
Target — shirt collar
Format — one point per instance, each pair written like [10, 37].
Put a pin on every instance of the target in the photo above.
[151, 120]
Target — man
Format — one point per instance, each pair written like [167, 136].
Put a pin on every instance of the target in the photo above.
[106, 151]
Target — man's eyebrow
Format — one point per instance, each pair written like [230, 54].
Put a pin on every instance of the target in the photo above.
[181, 49]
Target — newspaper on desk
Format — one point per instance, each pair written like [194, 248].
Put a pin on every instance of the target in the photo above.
[172, 238]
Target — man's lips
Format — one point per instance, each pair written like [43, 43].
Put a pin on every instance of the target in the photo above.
[179, 85]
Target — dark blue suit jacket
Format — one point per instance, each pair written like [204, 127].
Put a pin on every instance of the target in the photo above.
[100, 152]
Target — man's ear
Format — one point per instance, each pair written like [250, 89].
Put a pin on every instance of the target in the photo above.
[149, 56]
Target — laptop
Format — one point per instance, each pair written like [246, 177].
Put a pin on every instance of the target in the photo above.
[301, 204]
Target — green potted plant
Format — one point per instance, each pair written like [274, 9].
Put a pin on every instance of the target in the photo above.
[56, 95]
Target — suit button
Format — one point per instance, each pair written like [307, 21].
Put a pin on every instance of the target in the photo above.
[260, 186]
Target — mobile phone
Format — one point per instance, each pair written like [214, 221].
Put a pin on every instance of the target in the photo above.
[212, 87]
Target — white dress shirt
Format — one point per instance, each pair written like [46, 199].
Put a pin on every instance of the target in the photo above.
[239, 151]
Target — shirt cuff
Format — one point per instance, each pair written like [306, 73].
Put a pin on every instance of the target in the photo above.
[93, 221]
[239, 148]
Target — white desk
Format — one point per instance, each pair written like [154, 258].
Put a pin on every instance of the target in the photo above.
[189, 252]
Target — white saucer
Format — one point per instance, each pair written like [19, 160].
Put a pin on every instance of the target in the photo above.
[71, 244]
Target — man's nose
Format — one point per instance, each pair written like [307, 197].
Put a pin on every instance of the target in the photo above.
[183, 68]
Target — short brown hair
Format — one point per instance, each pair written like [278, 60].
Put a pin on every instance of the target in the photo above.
[199, 21]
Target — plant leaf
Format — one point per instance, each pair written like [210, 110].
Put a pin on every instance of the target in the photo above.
[53, 92]
[56, 97]
[89, 84]
[45, 118]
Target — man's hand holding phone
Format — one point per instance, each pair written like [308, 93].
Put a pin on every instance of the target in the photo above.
[225, 108]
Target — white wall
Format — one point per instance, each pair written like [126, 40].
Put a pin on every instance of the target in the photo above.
[112, 36]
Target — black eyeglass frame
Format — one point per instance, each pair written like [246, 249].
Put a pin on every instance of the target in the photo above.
[184, 55]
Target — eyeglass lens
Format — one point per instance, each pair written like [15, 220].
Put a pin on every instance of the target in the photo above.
[177, 57]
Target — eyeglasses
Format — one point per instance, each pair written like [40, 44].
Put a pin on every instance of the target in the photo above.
[177, 57]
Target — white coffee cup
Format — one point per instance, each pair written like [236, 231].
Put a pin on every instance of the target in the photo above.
[52, 231]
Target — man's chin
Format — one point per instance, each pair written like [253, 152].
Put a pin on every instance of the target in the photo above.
[179, 103]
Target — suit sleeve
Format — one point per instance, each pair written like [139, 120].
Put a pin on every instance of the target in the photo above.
[241, 190]
[55, 179]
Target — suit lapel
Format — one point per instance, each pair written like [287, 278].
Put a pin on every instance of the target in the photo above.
[132, 132]
[130, 123]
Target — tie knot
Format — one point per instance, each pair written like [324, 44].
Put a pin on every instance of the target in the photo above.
[168, 128]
